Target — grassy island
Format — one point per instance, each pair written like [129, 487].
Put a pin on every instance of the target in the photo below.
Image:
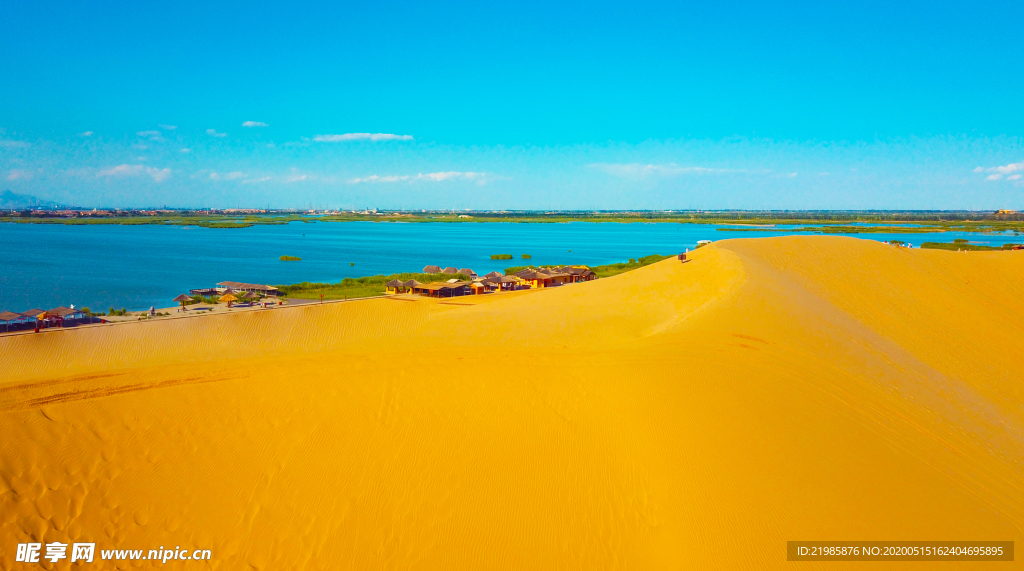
[960, 245]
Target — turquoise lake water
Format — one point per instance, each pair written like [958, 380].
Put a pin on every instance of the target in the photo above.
[99, 266]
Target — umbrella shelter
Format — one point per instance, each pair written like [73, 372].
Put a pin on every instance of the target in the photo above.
[182, 299]
[228, 298]
[250, 296]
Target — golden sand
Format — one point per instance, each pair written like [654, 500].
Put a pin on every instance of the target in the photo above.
[692, 416]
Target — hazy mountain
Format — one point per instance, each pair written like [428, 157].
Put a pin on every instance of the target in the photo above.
[9, 200]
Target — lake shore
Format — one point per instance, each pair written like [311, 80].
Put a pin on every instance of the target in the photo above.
[136, 267]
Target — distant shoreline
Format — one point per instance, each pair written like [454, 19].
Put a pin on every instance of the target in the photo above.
[835, 220]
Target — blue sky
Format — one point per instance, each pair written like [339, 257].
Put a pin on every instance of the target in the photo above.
[517, 105]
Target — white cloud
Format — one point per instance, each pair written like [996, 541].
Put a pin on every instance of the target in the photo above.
[85, 134]
[637, 170]
[452, 174]
[168, 127]
[361, 136]
[227, 176]
[254, 124]
[15, 144]
[20, 174]
[214, 133]
[158, 175]
[121, 170]
[1000, 171]
[376, 178]
[434, 176]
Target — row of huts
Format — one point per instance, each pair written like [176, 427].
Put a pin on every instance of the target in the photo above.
[529, 278]
[38, 318]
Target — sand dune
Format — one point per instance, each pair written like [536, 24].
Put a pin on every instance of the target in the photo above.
[692, 415]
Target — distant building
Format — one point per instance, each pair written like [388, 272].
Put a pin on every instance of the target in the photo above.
[223, 287]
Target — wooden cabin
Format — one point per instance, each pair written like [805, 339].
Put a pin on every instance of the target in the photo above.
[443, 289]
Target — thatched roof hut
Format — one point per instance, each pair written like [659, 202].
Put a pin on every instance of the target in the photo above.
[7, 317]
[540, 275]
[62, 312]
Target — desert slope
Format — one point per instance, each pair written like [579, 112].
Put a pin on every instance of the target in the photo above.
[692, 415]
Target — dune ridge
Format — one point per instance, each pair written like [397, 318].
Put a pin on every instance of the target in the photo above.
[693, 415]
